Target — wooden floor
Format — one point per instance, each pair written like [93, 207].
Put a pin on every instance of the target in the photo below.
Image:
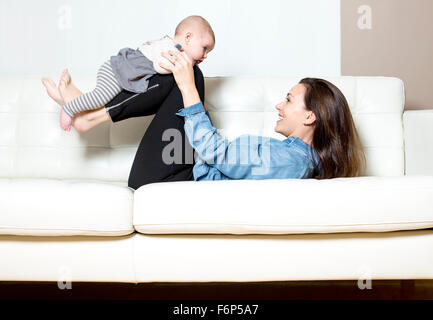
[295, 290]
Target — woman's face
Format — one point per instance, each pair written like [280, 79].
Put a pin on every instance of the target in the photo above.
[292, 111]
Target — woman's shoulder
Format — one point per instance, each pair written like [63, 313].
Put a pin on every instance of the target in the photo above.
[297, 147]
[305, 150]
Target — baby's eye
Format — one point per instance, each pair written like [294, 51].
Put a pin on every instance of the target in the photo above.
[205, 48]
[288, 99]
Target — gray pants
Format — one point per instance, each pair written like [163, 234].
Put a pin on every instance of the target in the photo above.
[106, 89]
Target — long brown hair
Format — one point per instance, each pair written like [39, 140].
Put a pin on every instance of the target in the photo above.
[335, 138]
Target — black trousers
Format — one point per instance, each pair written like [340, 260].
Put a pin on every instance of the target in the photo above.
[162, 99]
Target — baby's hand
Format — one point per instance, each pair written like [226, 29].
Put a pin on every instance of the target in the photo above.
[65, 120]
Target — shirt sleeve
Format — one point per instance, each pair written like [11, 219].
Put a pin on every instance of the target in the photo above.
[245, 156]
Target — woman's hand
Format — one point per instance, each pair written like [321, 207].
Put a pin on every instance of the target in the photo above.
[181, 67]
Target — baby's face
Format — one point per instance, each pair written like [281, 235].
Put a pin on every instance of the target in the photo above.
[198, 45]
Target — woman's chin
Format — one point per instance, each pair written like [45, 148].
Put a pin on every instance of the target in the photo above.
[280, 131]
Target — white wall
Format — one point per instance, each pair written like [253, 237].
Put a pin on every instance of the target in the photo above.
[272, 37]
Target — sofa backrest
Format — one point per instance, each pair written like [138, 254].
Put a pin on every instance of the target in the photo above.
[32, 145]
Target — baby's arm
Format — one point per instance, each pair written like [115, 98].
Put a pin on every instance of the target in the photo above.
[152, 50]
[160, 59]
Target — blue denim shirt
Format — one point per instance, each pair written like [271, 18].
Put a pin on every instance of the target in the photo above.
[246, 157]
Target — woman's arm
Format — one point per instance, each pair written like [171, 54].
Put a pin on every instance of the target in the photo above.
[246, 156]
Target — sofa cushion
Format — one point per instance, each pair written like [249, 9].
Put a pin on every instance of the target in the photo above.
[45, 207]
[362, 204]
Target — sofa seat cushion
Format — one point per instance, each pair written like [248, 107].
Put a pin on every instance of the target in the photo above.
[290, 206]
[45, 207]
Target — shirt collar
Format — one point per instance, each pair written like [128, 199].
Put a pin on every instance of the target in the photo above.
[301, 143]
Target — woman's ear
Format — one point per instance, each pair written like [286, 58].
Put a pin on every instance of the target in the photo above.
[310, 118]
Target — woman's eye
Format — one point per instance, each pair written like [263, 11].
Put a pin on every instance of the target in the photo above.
[288, 99]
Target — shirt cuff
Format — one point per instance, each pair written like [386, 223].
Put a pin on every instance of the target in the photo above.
[195, 108]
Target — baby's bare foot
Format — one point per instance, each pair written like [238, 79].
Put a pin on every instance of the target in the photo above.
[64, 93]
[66, 77]
[52, 90]
[65, 120]
[68, 91]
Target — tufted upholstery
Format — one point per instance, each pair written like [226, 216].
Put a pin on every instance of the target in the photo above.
[59, 185]
[33, 146]
[74, 183]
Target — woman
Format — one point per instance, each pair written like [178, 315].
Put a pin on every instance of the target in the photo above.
[322, 141]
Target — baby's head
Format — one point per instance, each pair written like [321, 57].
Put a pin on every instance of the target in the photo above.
[196, 37]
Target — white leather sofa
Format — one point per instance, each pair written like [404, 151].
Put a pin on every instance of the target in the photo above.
[66, 212]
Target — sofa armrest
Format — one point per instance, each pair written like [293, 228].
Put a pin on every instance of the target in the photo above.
[418, 140]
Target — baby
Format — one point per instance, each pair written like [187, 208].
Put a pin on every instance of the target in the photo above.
[131, 69]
